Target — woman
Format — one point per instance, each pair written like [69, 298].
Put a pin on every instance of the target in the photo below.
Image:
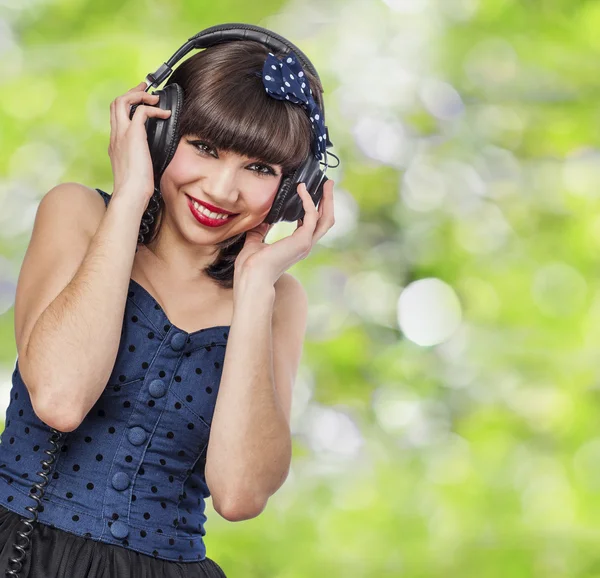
[168, 359]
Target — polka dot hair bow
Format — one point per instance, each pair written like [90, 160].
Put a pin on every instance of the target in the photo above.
[284, 79]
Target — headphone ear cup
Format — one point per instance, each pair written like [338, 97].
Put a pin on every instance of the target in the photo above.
[163, 133]
[288, 205]
[282, 199]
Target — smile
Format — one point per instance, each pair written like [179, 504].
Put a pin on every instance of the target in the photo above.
[206, 217]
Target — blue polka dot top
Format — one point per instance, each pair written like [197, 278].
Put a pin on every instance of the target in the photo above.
[132, 473]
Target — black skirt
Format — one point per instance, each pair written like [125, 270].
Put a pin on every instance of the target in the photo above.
[54, 553]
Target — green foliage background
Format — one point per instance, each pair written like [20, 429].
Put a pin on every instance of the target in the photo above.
[468, 133]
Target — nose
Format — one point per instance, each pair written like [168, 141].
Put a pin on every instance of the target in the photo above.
[219, 186]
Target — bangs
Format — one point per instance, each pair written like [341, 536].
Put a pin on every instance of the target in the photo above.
[225, 103]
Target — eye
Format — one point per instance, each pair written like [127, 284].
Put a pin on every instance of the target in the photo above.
[267, 172]
[204, 148]
[198, 144]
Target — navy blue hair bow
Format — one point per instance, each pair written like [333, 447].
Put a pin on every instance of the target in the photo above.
[284, 79]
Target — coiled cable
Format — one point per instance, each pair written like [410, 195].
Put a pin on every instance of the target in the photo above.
[36, 492]
[148, 216]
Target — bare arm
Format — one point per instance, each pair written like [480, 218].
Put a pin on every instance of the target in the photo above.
[250, 447]
[71, 350]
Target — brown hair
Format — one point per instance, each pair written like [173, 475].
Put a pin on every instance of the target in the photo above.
[225, 101]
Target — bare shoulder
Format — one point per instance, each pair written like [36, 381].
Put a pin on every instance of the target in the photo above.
[289, 292]
[287, 282]
[77, 201]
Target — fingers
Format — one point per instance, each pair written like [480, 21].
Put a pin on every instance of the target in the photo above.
[141, 86]
[120, 109]
[326, 204]
[317, 222]
[144, 112]
[310, 210]
[123, 103]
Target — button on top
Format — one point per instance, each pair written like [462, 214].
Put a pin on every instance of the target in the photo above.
[157, 388]
[120, 481]
[119, 530]
[137, 435]
[178, 341]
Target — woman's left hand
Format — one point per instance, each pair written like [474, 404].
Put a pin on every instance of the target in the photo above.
[269, 262]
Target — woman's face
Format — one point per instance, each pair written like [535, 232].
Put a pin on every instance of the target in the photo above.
[228, 181]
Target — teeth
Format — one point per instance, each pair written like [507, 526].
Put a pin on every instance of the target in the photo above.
[208, 213]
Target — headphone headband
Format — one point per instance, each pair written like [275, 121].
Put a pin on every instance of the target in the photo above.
[226, 33]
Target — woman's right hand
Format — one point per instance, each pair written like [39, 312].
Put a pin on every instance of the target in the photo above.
[128, 150]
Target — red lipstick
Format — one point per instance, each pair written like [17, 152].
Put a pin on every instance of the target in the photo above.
[212, 207]
[208, 221]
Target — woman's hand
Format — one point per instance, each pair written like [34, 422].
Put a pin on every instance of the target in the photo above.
[128, 150]
[269, 262]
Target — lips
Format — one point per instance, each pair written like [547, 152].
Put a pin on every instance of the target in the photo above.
[212, 207]
[207, 221]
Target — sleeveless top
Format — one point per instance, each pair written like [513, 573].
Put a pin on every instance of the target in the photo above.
[132, 473]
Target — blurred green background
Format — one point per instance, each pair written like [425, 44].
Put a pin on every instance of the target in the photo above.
[444, 415]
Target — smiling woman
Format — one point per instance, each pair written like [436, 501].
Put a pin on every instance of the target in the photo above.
[228, 126]
[162, 388]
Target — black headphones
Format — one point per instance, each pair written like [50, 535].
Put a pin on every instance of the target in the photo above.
[163, 134]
